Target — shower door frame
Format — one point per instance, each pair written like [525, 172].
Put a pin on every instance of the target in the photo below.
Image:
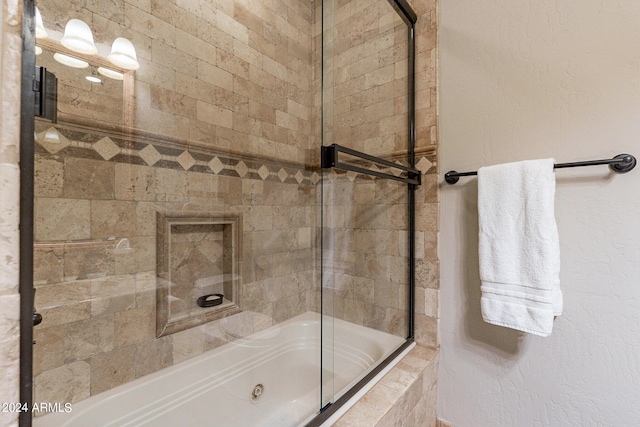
[408, 15]
[27, 156]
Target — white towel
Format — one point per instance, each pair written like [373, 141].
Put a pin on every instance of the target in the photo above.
[519, 248]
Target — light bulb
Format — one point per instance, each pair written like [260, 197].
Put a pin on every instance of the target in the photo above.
[110, 73]
[70, 61]
[123, 54]
[41, 32]
[93, 79]
[78, 37]
[38, 50]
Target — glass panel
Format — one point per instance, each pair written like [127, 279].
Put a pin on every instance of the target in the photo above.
[365, 257]
[366, 273]
[177, 216]
[179, 220]
[366, 92]
[327, 298]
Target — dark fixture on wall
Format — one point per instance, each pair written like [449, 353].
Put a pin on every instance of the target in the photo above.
[622, 163]
[45, 87]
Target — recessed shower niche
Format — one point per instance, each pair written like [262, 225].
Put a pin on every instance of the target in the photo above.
[197, 275]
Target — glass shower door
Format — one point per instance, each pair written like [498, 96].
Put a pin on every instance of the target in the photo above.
[367, 189]
[175, 213]
[365, 275]
[177, 205]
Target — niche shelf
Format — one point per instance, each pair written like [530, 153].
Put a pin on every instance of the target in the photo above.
[197, 255]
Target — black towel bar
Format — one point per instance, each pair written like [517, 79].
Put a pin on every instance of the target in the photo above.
[621, 163]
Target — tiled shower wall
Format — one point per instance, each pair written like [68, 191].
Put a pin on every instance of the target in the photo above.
[427, 283]
[365, 267]
[235, 74]
[366, 107]
[427, 309]
[223, 126]
[365, 249]
[367, 81]
[98, 300]
[250, 91]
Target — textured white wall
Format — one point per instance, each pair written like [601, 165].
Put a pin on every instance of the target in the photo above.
[526, 80]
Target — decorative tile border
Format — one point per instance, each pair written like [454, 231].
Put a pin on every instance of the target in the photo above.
[55, 139]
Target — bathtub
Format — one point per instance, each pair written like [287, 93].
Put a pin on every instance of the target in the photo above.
[271, 379]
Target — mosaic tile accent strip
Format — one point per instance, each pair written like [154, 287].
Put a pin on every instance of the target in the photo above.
[282, 174]
[150, 155]
[89, 144]
[75, 143]
[424, 165]
[106, 148]
[185, 160]
[242, 169]
[216, 165]
[315, 177]
[52, 140]
[263, 172]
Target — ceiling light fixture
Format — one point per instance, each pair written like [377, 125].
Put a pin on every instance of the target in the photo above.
[78, 38]
[41, 32]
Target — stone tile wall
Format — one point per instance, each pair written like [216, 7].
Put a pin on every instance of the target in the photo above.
[366, 248]
[278, 124]
[427, 310]
[215, 78]
[366, 109]
[368, 82]
[233, 74]
[98, 300]
[365, 273]
[10, 60]
[406, 396]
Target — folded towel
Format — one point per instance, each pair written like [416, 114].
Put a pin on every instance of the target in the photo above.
[519, 248]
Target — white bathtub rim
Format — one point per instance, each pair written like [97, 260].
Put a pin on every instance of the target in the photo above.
[228, 372]
[286, 343]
